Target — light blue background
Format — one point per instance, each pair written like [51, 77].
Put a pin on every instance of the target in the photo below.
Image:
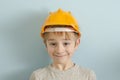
[22, 50]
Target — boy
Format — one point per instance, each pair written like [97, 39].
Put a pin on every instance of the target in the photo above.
[61, 36]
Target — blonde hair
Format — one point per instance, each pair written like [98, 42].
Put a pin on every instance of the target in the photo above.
[68, 35]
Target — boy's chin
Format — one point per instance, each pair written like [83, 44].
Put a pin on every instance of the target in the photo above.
[62, 61]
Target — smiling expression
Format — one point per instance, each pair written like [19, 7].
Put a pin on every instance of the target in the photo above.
[61, 49]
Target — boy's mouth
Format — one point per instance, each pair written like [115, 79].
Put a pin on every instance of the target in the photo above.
[59, 55]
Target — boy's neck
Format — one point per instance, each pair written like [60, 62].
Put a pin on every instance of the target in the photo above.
[63, 67]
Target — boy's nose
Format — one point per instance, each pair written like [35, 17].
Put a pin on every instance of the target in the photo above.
[60, 49]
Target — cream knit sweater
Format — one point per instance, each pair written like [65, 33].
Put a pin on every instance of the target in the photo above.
[74, 73]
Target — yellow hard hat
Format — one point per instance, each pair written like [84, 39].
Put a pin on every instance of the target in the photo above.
[60, 18]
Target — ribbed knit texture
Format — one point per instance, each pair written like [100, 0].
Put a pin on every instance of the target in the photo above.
[74, 73]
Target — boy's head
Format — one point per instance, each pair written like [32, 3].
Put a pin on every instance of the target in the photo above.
[61, 35]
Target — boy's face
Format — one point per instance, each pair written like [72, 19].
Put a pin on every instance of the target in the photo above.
[61, 49]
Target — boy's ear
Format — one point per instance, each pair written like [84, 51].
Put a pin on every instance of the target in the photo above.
[77, 43]
[45, 43]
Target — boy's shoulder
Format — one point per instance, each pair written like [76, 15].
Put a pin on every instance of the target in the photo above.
[87, 72]
[84, 69]
[39, 73]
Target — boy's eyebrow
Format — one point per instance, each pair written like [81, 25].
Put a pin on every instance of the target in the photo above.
[51, 39]
[66, 39]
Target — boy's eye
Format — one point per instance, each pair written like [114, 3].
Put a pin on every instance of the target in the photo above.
[53, 44]
[66, 43]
